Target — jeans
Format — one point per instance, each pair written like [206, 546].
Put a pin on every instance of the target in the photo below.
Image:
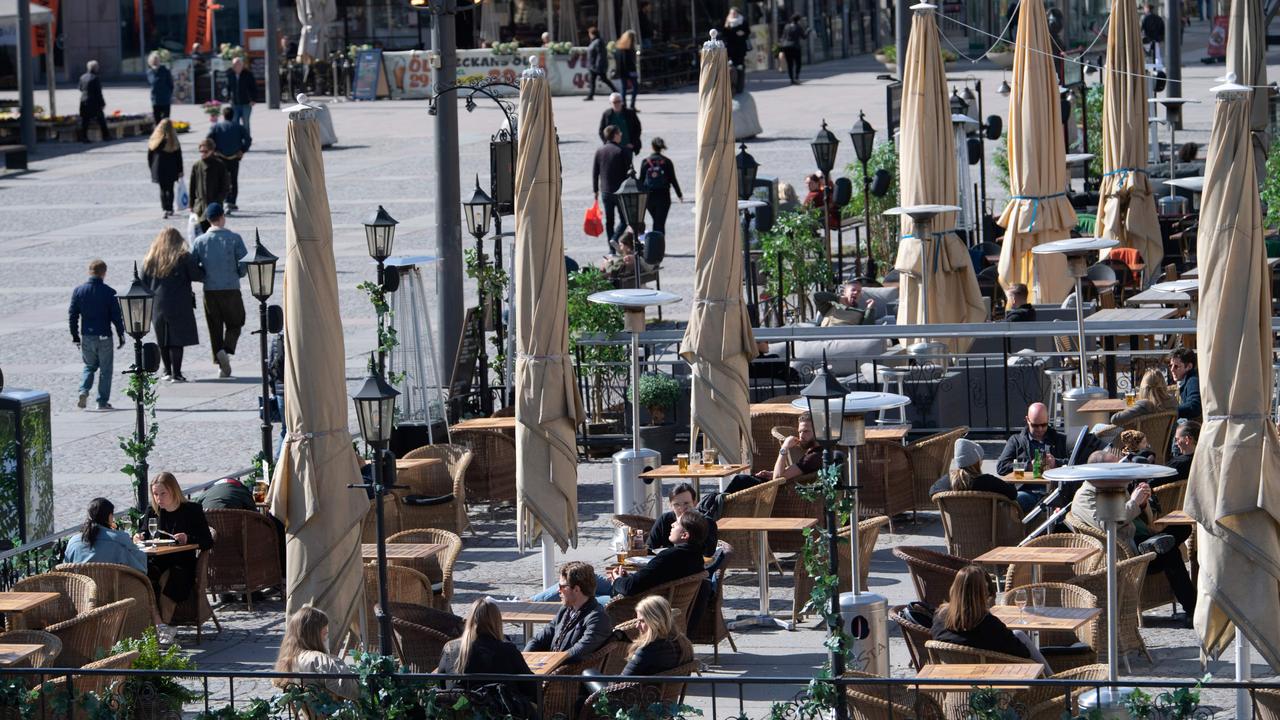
[233, 176]
[159, 112]
[99, 356]
[601, 77]
[166, 197]
[224, 315]
[241, 115]
[792, 55]
[604, 589]
[630, 82]
[1027, 500]
[612, 211]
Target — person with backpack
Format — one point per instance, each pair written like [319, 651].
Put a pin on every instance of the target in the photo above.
[793, 33]
[658, 174]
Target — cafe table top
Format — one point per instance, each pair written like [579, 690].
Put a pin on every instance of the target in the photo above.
[150, 549]
[974, 673]
[773, 524]
[1131, 314]
[402, 551]
[545, 663]
[1026, 479]
[1155, 297]
[11, 653]
[1110, 405]
[489, 423]
[527, 611]
[1177, 517]
[1044, 618]
[19, 602]
[670, 472]
[1036, 555]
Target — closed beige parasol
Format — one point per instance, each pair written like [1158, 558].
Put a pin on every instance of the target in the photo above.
[1127, 209]
[1038, 210]
[1246, 57]
[1234, 488]
[309, 489]
[927, 174]
[548, 408]
[718, 342]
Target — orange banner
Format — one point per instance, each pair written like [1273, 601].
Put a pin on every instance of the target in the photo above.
[199, 27]
[39, 38]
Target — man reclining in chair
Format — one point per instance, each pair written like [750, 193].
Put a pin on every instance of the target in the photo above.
[799, 455]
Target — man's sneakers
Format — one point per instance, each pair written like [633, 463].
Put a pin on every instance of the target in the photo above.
[224, 362]
[105, 406]
[84, 400]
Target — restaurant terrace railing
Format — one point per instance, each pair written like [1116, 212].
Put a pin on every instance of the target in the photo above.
[210, 695]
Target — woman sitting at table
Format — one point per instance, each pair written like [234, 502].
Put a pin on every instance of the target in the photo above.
[305, 649]
[482, 649]
[173, 575]
[1134, 448]
[1153, 397]
[661, 646]
[100, 541]
[966, 619]
[966, 473]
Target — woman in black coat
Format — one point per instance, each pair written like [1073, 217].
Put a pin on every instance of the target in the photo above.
[661, 646]
[482, 649]
[173, 576]
[624, 62]
[164, 157]
[169, 269]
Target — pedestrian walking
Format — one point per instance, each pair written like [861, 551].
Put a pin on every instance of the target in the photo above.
[161, 82]
[612, 163]
[793, 34]
[220, 253]
[164, 157]
[624, 62]
[241, 87]
[169, 269]
[658, 174]
[231, 141]
[1153, 33]
[92, 103]
[737, 40]
[597, 63]
[625, 119]
[93, 312]
[209, 183]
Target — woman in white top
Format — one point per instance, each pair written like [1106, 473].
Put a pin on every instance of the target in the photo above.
[305, 649]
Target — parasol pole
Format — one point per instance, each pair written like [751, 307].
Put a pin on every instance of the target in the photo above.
[1244, 673]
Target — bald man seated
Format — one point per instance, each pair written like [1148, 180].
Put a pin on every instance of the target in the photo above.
[1023, 445]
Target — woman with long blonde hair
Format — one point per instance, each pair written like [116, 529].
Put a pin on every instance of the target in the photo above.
[1153, 397]
[164, 157]
[169, 269]
[624, 59]
[661, 646]
[482, 649]
[179, 521]
[305, 649]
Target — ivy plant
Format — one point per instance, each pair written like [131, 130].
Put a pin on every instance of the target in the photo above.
[492, 281]
[585, 318]
[141, 386]
[1270, 190]
[794, 260]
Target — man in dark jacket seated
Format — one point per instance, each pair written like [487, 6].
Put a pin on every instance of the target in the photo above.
[682, 499]
[1019, 309]
[1184, 442]
[582, 626]
[682, 559]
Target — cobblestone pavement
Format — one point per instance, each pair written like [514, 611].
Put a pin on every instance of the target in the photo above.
[80, 202]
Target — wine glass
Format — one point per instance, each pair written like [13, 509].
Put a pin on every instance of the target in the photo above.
[153, 527]
[1020, 599]
[1037, 599]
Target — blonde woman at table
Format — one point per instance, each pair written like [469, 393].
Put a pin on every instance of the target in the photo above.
[100, 541]
[966, 619]
[173, 575]
[661, 646]
[1153, 397]
[305, 649]
[482, 649]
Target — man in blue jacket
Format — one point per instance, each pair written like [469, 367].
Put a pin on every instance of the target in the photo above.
[161, 82]
[230, 142]
[1182, 365]
[221, 253]
[240, 91]
[94, 310]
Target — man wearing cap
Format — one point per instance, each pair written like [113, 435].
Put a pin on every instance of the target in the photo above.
[220, 253]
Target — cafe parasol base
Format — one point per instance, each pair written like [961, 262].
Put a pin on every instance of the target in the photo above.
[762, 618]
[1108, 701]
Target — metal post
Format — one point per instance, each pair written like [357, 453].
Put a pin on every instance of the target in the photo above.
[26, 88]
[382, 353]
[450, 269]
[869, 268]
[142, 35]
[982, 166]
[925, 236]
[826, 218]
[1113, 593]
[270, 25]
[213, 52]
[835, 654]
[635, 384]
[1084, 358]
[384, 617]
[1173, 58]
[482, 354]
[50, 72]
[140, 415]
[902, 31]
[496, 301]
[266, 383]
[854, 552]
[748, 276]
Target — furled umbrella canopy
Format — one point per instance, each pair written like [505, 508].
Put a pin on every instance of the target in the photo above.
[631, 17]
[567, 30]
[718, 342]
[606, 21]
[927, 175]
[1247, 58]
[309, 493]
[1038, 211]
[315, 16]
[1127, 209]
[1234, 488]
[548, 408]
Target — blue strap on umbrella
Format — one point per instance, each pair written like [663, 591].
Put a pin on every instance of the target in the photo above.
[1124, 172]
[1035, 205]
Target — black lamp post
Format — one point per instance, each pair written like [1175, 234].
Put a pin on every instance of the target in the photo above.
[262, 282]
[825, 397]
[375, 409]
[824, 147]
[748, 168]
[502, 183]
[863, 137]
[633, 200]
[478, 212]
[136, 306]
[380, 234]
[958, 104]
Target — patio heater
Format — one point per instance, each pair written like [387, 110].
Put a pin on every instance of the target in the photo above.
[747, 168]
[411, 365]
[922, 216]
[1112, 481]
[1077, 251]
[630, 496]
[1172, 204]
[969, 218]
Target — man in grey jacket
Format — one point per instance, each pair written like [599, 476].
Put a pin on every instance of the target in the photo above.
[582, 626]
[597, 63]
[221, 253]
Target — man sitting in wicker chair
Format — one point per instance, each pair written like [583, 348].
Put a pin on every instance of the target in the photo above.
[786, 466]
[682, 499]
[582, 626]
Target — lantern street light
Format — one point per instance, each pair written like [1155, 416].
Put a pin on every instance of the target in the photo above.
[824, 147]
[825, 397]
[262, 281]
[375, 409]
[748, 168]
[136, 306]
[958, 104]
[633, 200]
[478, 212]
[863, 137]
[380, 234]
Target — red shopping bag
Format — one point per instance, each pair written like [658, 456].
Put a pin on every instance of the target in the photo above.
[592, 221]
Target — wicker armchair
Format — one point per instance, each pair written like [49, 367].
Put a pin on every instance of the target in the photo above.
[1021, 574]
[90, 634]
[1130, 574]
[889, 702]
[560, 697]
[756, 502]
[679, 593]
[1065, 655]
[491, 475]
[868, 533]
[1169, 497]
[419, 640]
[1266, 703]
[52, 693]
[404, 585]
[1158, 427]
[930, 459]
[391, 521]
[768, 430]
[914, 635]
[1156, 590]
[640, 695]
[1046, 702]
[196, 610]
[884, 474]
[643, 523]
[437, 566]
[955, 703]
[44, 657]
[975, 522]
[248, 558]
[76, 594]
[117, 582]
[711, 627]
[788, 503]
[932, 572]
[452, 479]
[617, 661]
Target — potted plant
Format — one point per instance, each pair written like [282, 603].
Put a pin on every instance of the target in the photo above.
[149, 697]
[601, 363]
[657, 393]
[1001, 55]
